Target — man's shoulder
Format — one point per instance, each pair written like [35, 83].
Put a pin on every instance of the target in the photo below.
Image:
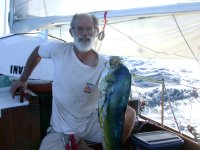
[58, 43]
[103, 57]
[102, 60]
[55, 48]
[61, 46]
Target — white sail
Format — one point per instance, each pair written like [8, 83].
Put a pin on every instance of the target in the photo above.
[167, 31]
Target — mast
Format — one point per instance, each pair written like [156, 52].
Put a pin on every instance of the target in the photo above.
[5, 18]
[11, 15]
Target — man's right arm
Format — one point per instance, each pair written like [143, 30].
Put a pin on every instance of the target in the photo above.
[31, 63]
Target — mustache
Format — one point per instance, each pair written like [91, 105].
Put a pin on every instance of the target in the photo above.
[84, 38]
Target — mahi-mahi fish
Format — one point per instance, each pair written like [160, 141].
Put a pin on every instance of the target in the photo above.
[115, 87]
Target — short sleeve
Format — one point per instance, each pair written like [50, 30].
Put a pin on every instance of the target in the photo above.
[47, 50]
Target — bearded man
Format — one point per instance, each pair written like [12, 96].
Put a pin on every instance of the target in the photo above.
[77, 68]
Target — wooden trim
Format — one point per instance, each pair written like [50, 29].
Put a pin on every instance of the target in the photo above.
[20, 126]
[42, 88]
[1, 135]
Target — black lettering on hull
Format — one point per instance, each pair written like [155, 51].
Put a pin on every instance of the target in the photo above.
[14, 69]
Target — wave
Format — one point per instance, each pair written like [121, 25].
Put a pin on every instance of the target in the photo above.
[154, 96]
[180, 80]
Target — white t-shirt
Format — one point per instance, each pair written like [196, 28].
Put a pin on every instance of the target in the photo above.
[75, 90]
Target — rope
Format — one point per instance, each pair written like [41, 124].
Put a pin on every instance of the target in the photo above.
[105, 20]
[101, 34]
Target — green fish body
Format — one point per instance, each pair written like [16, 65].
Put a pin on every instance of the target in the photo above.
[115, 86]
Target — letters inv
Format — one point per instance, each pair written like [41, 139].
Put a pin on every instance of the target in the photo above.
[16, 69]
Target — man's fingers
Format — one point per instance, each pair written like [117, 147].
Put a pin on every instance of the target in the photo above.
[12, 91]
[17, 88]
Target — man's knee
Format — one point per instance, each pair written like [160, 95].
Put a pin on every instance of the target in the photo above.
[130, 113]
[130, 118]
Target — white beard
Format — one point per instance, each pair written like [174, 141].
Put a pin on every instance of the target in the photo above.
[84, 44]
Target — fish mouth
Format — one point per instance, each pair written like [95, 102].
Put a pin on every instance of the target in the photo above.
[115, 61]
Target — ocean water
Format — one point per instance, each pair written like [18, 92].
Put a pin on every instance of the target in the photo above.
[181, 80]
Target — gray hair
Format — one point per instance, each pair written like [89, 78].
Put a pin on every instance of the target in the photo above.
[95, 20]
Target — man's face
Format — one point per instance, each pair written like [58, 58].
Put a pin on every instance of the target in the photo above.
[84, 33]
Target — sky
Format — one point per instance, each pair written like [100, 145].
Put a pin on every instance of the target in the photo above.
[92, 4]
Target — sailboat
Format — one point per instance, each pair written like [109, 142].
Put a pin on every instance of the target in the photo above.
[157, 32]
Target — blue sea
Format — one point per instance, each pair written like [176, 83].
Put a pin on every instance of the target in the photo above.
[181, 80]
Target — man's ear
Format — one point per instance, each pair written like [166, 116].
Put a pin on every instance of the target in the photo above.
[97, 31]
[71, 32]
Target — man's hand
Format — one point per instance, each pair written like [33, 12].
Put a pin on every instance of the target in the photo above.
[18, 86]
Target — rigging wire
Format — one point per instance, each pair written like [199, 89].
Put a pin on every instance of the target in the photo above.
[136, 41]
[4, 37]
[157, 112]
[130, 20]
[145, 47]
[147, 79]
[169, 101]
[168, 97]
[45, 7]
[185, 40]
[141, 45]
[150, 79]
